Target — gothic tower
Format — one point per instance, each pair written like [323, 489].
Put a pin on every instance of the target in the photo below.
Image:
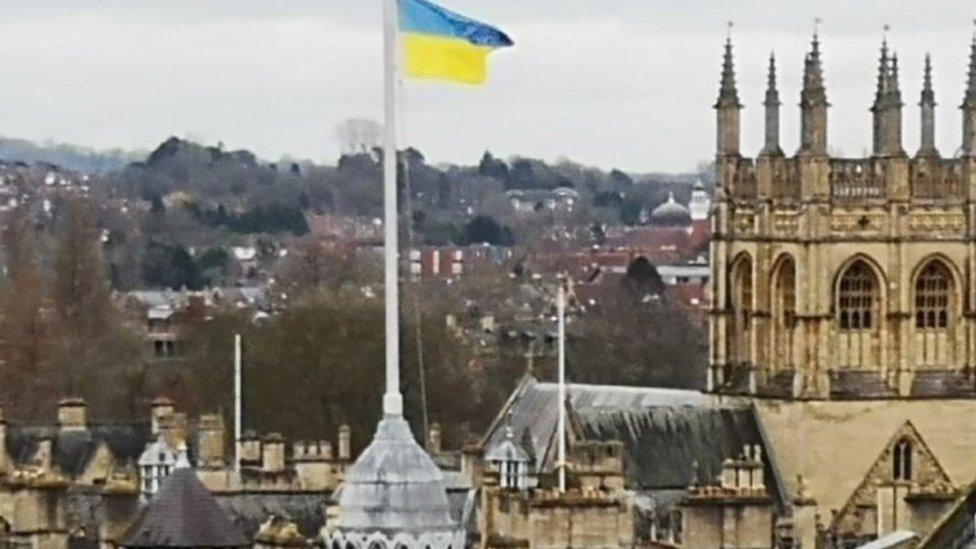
[843, 278]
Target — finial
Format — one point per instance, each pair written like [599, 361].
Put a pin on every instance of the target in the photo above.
[728, 30]
[816, 27]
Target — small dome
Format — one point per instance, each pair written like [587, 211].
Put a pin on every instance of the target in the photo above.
[670, 213]
[394, 488]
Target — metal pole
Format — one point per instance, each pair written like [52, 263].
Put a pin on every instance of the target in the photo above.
[238, 397]
[561, 307]
[392, 400]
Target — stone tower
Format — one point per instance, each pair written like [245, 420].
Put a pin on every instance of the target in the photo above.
[839, 278]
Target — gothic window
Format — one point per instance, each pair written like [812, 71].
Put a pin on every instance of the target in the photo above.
[858, 310]
[742, 289]
[932, 292]
[857, 298]
[784, 313]
[934, 303]
[902, 460]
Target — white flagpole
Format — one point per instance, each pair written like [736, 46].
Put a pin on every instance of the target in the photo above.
[392, 400]
[238, 397]
[561, 307]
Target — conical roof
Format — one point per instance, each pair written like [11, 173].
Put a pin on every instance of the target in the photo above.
[183, 514]
[394, 487]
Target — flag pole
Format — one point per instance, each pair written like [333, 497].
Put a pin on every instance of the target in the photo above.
[392, 400]
[238, 400]
[561, 309]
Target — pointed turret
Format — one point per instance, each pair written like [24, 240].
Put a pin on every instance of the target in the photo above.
[969, 106]
[772, 104]
[927, 106]
[728, 106]
[813, 103]
[887, 106]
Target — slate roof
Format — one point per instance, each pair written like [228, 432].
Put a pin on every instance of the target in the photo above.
[183, 514]
[248, 511]
[957, 529]
[72, 451]
[663, 431]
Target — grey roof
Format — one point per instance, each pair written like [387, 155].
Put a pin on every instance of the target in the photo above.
[249, 510]
[183, 514]
[72, 450]
[957, 529]
[670, 212]
[897, 538]
[665, 432]
[394, 487]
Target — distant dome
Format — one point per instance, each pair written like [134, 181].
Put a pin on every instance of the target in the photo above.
[395, 489]
[670, 213]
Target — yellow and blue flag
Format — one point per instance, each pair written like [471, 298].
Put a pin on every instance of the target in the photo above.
[442, 45]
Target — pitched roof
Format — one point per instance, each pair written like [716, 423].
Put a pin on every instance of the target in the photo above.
[957, 528]
[183, 514]
[72, 451]
[664, 431]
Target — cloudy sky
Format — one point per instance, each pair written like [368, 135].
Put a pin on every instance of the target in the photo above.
[612, 83]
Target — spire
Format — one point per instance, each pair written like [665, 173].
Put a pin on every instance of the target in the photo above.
[887, 104]
[971, 83]
[883, 70]
[728, 95]
[772, 94]
[928, 94]
[927, 105]
[772, 104]
[728, 105]
[969, 105]
[813, 102]
[813, 80]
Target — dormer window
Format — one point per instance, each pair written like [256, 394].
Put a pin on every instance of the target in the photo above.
[511, 462]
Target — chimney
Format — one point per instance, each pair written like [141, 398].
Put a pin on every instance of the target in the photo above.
[345, 443]
[72, 414]
[158, 409]
[210, 444]
[434, 439]
[249, 448]
[273, 454]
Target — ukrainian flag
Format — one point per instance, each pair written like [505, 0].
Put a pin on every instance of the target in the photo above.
[438, 44]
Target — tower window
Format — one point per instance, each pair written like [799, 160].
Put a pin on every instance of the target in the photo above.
[902, 462]
[932, 292]
[856, 299]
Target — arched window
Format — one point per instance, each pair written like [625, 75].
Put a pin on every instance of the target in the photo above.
[742, 289]
[902, 460]
[934, 304]
[932, 292]
[377, 545]
[784, 314]
[858, 306]
[856, 299]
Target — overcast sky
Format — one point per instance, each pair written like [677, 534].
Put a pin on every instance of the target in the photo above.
[612, 83]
